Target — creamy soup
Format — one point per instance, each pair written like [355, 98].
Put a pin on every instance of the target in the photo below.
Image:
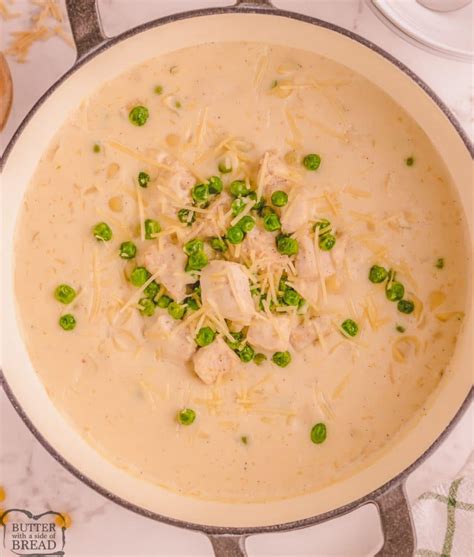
[240, 271]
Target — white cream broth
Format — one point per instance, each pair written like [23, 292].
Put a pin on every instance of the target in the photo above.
[122, 377]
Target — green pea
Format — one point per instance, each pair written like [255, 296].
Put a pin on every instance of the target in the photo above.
[164, 301]
[287, 245]
[186, 216]
[246, 224]
[139, 276]
[259, 205]
[191, 303]
[405, 306]
[439, 263]
[238, 205]
[138, 115]
[64, 293]
[196, 261]
[246, 354]
[400, 329]
[281, 359]
[128, 250]
[327, 241]
[193, 246]
[218, 244]
[200, 193]
[102, 231]
[205, 336]
[409, 161]
[377, 274]
[319, 433]
[395, 291]
[176, 310]
[239, 188]
[143, 179]
[152, 228]
[158, 89]
[238, 338]
[321, 224]
[259, 359]
[291, 297]
[146, 306]
[152, 290]
[186, 416]
[224, 167]
[279, 198]
[265, 211]
[271, 222]
[96, 148]
[350, 327]
[67, 322]
[312, 161]
[235, 235]
[215, 185]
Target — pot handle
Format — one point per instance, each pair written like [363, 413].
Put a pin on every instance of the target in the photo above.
[254, 3]
[85, 24]
[397, 524]
[228, 545]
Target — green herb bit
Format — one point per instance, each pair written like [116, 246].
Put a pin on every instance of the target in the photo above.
[318, 433]
[152, 228]
[186, 216]
[287, 245]
[265, 211]
[67, 322]
[64, 293]
[235, 235]
[281, 359]
[102, 231]
[279, 198]
[146, 306]
[259, 205]
[196, 261]
[377, 274]
[274, 84]
[186, 416]
[440, 263]
[218, 244]
[321, 224]
[224, 167]
[312, 161]
[237, 206]
[400, 328]
[178, 104]
[200, 193]
[239, 188]
[139, 276]
[164, 301]
[205, 336]
[350, 327]
[409, 161]
[176, 310]
[327, 241]
[395, 291]
[246, 354]
[96, 148]
[128, 250]
[139, 115]
[259, 359]
[244, 440]
[246, 224]
[193, 246]
[271, 222]
[405, 306]
[291, 297]
[215, 185]
[152, 290]
[158, 89]
[143, 179]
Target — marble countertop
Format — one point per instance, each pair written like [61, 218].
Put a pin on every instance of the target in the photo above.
[34, 480]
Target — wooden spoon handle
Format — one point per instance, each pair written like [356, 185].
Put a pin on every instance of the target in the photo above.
[6, 91]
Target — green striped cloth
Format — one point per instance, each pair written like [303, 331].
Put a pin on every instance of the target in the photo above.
[444, 520]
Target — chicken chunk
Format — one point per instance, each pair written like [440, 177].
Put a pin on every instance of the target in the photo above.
[214, 360]
[270, 334]
[306, 333]
[276, 176]
[170, 263]
[174, 347]
[329, 261]
[225, 287]
[305, 262]
[263, 246]
[297, 213]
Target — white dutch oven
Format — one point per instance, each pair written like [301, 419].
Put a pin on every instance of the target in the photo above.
[101, 59]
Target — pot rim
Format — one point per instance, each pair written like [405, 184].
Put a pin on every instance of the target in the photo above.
[223, 530]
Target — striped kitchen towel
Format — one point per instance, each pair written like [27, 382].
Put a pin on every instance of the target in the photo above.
[444, 518]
